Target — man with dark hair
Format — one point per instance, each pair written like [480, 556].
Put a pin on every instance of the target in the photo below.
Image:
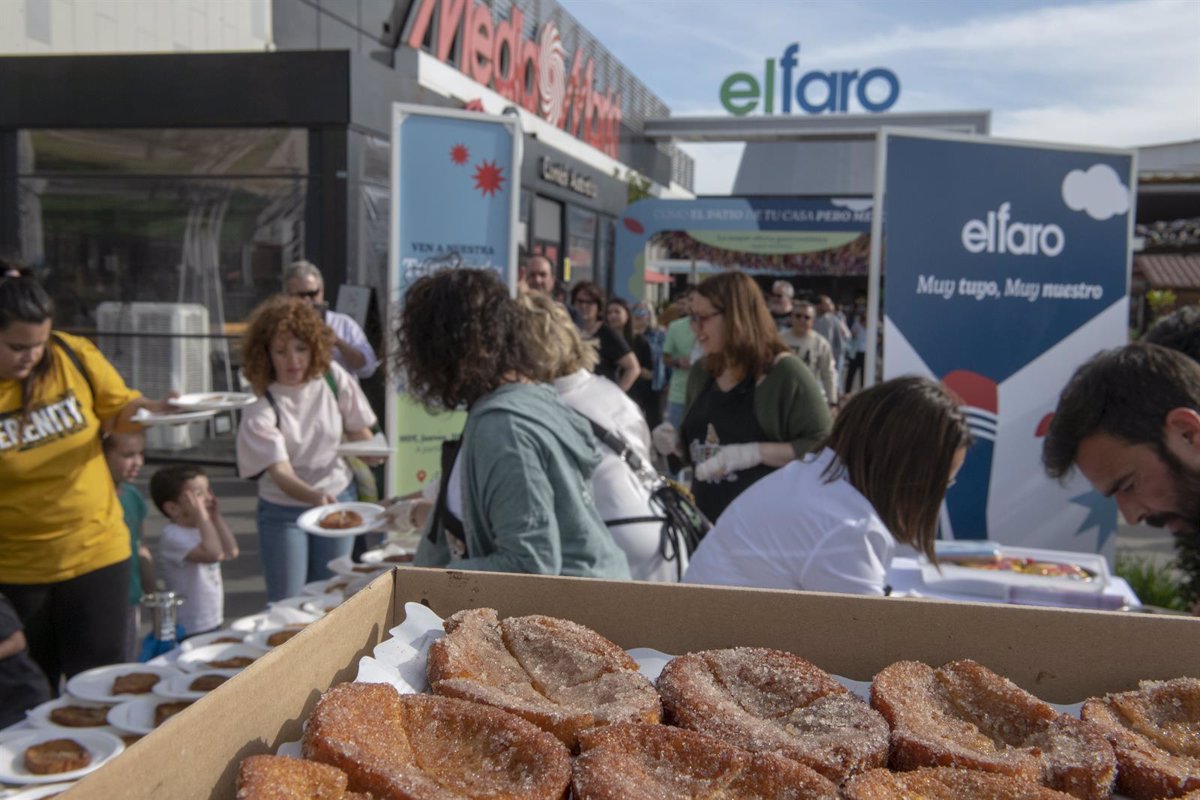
[1178, 331]
[1181, 331]
[1129, 419]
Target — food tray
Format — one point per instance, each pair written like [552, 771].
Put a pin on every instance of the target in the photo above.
[1000, 584]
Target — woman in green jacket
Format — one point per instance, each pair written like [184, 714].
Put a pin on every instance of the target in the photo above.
[753, 406]
[514, 497]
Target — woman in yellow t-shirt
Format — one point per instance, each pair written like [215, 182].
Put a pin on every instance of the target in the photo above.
[64, 548]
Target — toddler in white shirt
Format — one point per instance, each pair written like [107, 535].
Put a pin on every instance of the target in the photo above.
[193, 544]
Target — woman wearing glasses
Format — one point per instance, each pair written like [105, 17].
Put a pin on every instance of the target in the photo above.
[831, 521]
[752, 407]
[617, 361]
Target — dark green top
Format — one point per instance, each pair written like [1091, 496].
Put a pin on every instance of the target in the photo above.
[788, 403]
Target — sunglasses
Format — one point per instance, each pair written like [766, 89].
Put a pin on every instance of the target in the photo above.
[307, 295]
[801, 316]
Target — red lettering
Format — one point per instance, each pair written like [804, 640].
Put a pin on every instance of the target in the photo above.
[449, 27]
[421, 24]
[527, 76]
[508, 38]
[497, 55]
[477, 50]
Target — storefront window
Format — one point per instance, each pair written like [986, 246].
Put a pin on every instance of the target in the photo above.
[547, 230]
[180, 216]
[581, 244]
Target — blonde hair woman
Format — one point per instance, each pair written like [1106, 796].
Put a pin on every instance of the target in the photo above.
[623, 500]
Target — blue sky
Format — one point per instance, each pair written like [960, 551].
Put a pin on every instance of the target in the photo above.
[1118, 74]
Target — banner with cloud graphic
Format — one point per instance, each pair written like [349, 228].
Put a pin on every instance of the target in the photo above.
[1006, 266]
[455, 189]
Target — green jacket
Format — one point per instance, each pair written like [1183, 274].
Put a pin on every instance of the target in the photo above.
[788, 403]
[525, 464]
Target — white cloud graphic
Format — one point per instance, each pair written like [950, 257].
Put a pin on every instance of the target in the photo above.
[853, 203]
[1098, 191]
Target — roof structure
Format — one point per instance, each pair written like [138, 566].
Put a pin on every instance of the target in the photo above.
[1168, 271]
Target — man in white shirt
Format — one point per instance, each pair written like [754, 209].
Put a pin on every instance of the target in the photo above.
[812, 348]
[351, 350]
[830, 325]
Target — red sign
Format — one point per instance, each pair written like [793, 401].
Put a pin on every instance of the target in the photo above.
[531, 74]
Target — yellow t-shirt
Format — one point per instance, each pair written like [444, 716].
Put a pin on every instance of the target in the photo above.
[59, 513]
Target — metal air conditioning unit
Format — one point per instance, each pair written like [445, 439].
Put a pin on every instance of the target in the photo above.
[151, 345]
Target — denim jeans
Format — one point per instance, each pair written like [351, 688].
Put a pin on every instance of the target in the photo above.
[290, 557]
[675, 414]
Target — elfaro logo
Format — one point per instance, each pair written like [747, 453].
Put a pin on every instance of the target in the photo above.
[997, 235]
[876, 90]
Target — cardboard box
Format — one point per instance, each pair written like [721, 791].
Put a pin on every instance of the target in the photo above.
[1061, 656]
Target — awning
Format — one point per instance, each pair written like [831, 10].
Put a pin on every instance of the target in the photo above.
[1169, 271]
[656, 277]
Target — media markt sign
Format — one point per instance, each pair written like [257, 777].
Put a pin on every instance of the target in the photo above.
[875, 90]
[533, 74]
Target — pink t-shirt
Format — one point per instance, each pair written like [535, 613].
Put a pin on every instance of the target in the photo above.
[311, 422]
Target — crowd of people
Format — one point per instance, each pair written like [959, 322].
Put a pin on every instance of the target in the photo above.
[747, 393]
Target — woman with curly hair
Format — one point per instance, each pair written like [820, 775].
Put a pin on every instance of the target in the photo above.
[514, 498]
[288, 439]
[753, 406]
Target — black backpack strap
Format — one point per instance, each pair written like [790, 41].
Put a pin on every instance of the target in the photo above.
[73, 357]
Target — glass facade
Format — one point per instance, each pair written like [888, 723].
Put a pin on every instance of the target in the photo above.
[205, 216]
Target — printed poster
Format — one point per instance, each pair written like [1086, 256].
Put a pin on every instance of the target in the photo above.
[1006, 265]
[455, 186]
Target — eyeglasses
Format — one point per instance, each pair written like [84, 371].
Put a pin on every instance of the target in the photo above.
[586, 301]
[801, 316]
[699, 319]
[307, 295]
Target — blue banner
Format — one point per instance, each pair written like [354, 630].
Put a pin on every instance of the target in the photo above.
[1006, 266]
[455, 184]
[770, 226]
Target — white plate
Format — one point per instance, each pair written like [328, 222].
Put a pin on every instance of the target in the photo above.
[39, 716]
[144, 417]
[380, 557]
[102, 746]
[40, 792]
[213, 401]
[348, 568]
[273, 619]
[96, 684]
[330, 587]
[259, 638]
[309, 604]
[176, 686]
[375, 447]
[192, 642]
[198, 660]
[370, 512]
[137, 716]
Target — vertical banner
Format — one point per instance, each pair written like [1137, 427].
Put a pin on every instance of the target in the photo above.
[1006, 266]
[455, 187]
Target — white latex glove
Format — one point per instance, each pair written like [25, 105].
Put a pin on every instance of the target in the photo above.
[399, 515]
[665, 439]
[730, 458]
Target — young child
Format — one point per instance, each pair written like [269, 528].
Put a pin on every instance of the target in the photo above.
[193, 544]
[124, 454]
[22, 683]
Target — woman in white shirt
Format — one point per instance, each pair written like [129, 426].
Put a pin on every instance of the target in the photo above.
[830, 522]
[288, 439]
[623, 500]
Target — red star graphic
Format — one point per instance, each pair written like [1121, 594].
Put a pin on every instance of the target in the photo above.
[459, 154]
[488, 177]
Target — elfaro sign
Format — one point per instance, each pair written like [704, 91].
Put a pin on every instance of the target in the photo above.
[532, 74]
[875, 90]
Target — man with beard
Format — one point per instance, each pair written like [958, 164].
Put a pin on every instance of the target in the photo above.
[1129, 420]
